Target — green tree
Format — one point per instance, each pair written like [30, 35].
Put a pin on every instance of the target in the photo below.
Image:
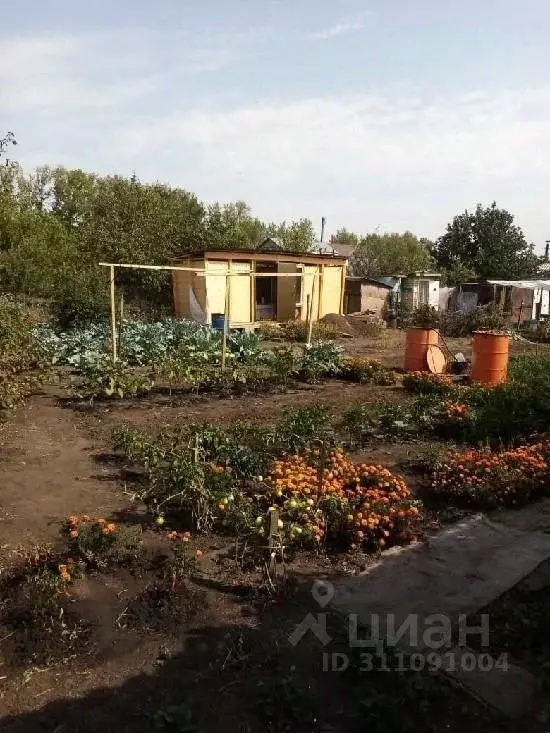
[486, 243]
[5, 143]
[298, 236]
[382, 255]
[231, 226]
[342, 236]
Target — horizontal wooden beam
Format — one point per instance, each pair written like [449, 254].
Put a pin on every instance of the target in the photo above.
[206, 273]
[150, 267]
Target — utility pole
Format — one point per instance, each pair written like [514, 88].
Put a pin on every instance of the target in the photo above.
[323, 222]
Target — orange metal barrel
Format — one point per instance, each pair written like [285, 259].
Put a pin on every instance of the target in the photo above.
[490, 357]
[416, 348]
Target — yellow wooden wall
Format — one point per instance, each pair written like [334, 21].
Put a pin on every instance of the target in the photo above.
[331, 290]
[182, 282]
[240, 298]
[180, 288]
[309, 272]
[241, 293]
[210, 291]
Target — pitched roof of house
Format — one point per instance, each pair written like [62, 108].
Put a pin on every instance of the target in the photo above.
[346, 250]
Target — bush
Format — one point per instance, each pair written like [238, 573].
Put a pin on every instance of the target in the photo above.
[366, 371]
[96, 543]
[483, 480]
[298, 331]
[454, 323]
[19, 355]
[427, 383]
[482, 318]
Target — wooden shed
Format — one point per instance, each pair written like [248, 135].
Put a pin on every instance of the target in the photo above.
[263, 285]
[366, 295]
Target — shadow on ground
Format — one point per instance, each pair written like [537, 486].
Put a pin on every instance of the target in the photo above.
[247, 677]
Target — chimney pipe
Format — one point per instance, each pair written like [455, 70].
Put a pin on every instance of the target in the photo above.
[323, 222]
[547, 250]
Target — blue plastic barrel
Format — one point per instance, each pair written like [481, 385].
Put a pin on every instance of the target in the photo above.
[218, 321]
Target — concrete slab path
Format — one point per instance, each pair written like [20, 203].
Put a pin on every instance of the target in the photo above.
[458, 571]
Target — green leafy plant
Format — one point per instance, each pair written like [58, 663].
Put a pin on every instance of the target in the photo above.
[103, 379]
[298, 331]
[321, 359]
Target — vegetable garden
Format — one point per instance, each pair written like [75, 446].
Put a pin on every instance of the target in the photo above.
[243, 502]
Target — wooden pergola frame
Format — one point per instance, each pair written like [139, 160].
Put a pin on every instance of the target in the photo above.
[202, 273]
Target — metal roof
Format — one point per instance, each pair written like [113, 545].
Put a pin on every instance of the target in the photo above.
[523, 284]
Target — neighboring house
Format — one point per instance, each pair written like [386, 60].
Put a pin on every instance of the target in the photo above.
[346, 250]
[265, 284]
[381, 294]
[520, 300]
[420, 289]
[370, 295]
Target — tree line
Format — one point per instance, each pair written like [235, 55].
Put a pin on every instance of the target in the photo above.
[57, 224]
[478, 245]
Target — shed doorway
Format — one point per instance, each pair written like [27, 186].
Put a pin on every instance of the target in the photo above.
[266, 292]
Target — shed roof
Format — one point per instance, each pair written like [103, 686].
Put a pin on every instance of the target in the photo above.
[381, 282]
[424, 274]
[523, 284]
[243, 253]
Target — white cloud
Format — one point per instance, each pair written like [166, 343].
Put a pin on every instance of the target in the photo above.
[341, 28]
[363, 160]
[97, 70]
[374, 159]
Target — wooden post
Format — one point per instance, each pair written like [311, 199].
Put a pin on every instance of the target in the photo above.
[310, 313]
[120, 322]
[226, 317]
[273, 532]
[113, 313]
[321, 271]
[253, 291]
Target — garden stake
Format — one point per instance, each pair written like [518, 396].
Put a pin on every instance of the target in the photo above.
[226, 318]
[113, 313]
[120, 322]
[273, 532]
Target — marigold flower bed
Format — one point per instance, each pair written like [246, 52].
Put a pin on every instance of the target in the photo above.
[480, 478]
[356, 505]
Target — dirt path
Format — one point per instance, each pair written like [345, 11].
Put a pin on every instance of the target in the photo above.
[47, 471]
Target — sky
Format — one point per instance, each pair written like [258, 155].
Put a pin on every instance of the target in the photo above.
[381, 115]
